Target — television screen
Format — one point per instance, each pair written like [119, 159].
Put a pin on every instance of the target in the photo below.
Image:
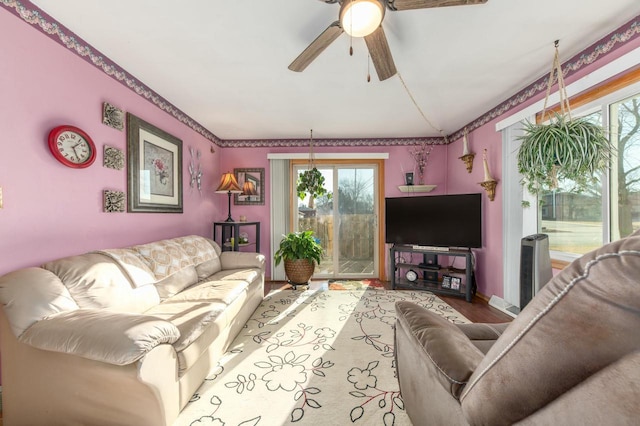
[435, 221]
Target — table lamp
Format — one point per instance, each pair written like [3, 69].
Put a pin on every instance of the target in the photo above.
[229, 185]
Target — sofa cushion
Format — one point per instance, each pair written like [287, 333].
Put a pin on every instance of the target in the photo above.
[114, 338]
[96, 280]
[248, 275]
[200, 314]
[205, 254]
[586, 318]
[171, 265]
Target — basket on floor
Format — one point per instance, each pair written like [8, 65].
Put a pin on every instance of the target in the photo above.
[299, 271]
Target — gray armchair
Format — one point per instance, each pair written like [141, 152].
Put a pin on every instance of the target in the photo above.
[571, 357]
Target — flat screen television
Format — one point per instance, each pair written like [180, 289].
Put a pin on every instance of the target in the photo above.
[435, 221]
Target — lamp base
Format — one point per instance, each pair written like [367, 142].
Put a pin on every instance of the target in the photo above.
[229, 218]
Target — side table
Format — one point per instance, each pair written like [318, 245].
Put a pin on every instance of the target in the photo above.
[231, 230]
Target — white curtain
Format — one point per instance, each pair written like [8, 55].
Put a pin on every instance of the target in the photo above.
[280, 200]
[518, 221]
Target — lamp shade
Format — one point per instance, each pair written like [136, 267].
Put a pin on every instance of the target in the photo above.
[228, 183]
[359, 18]
[249, 188]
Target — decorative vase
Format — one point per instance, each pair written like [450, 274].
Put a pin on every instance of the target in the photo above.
[299, 271]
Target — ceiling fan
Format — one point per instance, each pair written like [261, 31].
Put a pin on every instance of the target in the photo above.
[369, 27]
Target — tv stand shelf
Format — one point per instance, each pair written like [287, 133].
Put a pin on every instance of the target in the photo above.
[430, 276]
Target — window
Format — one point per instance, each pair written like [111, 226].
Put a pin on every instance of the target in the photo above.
[625, 167]
[578, 221]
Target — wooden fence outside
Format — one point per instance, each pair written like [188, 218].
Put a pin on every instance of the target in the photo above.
[356, 234]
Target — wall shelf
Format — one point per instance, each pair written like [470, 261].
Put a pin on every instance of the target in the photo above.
[416, 188]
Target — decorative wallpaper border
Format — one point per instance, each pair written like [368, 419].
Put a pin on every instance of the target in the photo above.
[46, 24]
[31, 14]
[605, 45]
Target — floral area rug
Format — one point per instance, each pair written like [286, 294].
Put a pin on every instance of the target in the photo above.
[311, 357]
[355, 284]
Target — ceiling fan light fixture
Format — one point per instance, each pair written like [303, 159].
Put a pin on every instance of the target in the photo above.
[359, 18]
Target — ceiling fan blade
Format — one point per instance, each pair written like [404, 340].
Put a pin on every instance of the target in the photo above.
[381, 54]
[316, 47]
[426, 4]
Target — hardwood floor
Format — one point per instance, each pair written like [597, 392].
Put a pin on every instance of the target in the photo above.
[477, 311]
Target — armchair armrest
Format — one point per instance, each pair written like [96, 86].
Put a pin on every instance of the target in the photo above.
[239, 259]
[449, 356]
[110, 337]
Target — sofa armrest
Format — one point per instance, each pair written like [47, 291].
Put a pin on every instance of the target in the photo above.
[110, 337]
[449, 355]
[238, 260]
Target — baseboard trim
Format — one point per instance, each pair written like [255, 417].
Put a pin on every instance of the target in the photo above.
[482, 297]
[504, 306]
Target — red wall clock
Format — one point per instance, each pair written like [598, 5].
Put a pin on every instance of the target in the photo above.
[72, 147]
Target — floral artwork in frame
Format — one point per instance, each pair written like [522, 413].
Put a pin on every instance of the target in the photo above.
[154, 177]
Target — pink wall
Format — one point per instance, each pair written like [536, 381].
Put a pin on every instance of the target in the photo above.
[51, 210]
[489, 258]
[399, 160]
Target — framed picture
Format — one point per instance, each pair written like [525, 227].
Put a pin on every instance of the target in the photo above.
[455, 283]
[446, 281]
[154, 163]
[408, 177]
[252, 183]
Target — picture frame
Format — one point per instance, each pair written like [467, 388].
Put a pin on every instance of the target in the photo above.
[446, 281]
[408, 177]
[254, 177]
[455, 283]
[154, 169]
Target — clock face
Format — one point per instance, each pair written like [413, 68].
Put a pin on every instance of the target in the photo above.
[411, 275]
[72, 147]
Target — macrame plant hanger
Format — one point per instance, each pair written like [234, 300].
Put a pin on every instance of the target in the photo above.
[312, 162]
[565, 108]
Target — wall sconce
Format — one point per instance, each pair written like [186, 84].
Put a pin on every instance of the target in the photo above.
[489, 184]
[467, 156]
[228, 185]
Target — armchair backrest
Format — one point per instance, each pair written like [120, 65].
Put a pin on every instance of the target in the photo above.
[583, 321]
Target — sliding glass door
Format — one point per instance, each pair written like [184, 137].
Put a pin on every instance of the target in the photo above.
[345, 222]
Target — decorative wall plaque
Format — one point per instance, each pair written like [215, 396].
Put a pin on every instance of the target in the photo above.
[114, 201]
[112, 116]
[113, 158]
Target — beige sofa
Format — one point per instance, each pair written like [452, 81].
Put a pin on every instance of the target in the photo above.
[571, 357]
[121, 336]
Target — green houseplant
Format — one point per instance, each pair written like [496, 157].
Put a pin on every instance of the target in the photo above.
[300, 252]
[563, 149]
[311, 182]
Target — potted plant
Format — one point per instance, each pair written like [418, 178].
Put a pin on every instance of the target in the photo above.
[300, 252]
[311, 182]
[563, 149]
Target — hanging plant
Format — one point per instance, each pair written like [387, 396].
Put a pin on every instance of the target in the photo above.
[564, 148]
[311, 182]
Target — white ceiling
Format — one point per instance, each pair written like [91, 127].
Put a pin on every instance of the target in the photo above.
[224, 63]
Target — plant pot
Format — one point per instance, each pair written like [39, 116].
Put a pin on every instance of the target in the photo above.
[299, 271]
